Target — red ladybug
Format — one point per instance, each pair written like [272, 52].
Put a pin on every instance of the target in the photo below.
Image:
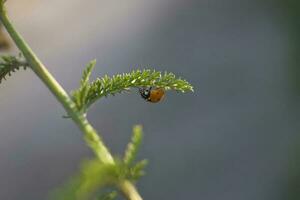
[152, 95]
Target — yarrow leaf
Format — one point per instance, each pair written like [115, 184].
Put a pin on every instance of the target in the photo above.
[136, 170]
[133, 146]
[89, 92]
[9, 64]
[95, 176]
[92, 176]
[80, 95]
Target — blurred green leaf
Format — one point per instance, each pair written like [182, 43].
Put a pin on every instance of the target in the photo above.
[9, 64]
[133, 146]
[95, 176]
[92, 176]
[137, 171]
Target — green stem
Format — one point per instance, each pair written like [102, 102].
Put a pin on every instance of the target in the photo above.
[61, 95]
[90, 134]
[129, 191]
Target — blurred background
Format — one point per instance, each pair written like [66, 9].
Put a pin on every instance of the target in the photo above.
[236, 137]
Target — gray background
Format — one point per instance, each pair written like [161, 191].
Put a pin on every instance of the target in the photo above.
[231, 139]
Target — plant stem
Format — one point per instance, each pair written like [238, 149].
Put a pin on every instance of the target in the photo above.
[40, 70]
[90, 134]
[128, 190]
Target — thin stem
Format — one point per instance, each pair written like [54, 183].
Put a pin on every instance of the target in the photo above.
[129, 191]
[90, 134]
[61, 95]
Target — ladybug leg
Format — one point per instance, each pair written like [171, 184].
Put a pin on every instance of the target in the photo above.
[141, 90]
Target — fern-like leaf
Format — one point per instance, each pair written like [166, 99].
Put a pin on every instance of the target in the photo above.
[118, 83]
[88, 93]
[80, 95]
[9, 64]
[92, 176]
[137, 171]
[87, 72]
[133, 146]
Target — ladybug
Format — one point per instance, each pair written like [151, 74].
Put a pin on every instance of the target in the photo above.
[152, 95]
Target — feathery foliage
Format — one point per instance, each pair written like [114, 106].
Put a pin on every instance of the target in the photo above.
[95, 175]
[133, 146]
[137, 170]
[9, 64]
[88, 93]
[80, 95]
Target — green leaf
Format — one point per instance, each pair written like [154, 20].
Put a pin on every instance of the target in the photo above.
[80, 95]
[137, 171]
[9, 64]
[92, 176]
[87, 72]
[133, 146]
[95, 176]
[102, 87]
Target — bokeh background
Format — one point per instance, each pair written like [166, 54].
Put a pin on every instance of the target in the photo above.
[235, 138]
